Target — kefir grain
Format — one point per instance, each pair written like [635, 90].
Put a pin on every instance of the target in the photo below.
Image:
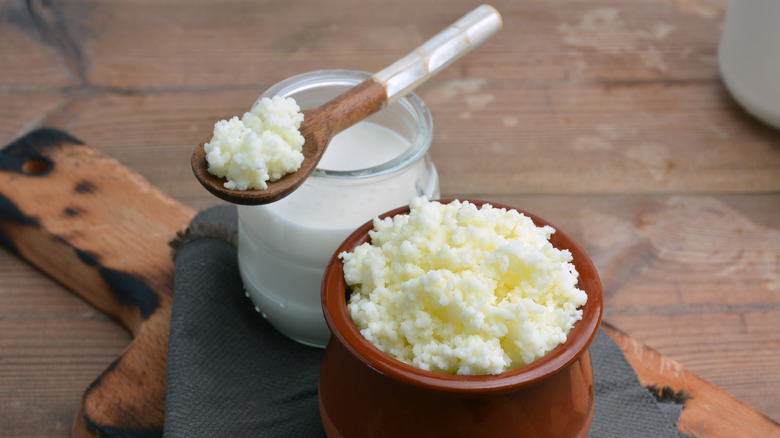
[263, 146]
[460, 290]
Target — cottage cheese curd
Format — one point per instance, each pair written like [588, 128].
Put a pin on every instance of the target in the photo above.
[263, 146]
[462, 290]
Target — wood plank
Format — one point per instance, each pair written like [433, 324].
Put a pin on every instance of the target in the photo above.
[587, 139]
[28, 50]
[47, 362]
[611, 40]
[21, 112]
[507, 139]
[736, 419]
[737, 351]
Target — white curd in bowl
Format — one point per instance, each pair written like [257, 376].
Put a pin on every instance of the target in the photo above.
[457, 289]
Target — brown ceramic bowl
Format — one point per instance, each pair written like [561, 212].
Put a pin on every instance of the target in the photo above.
[364, 392]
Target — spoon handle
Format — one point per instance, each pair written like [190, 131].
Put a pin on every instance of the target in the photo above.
[404, 75]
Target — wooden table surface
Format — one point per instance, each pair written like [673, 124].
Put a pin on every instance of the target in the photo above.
[608, 118]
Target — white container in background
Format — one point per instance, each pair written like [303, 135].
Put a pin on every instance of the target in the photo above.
[749, 56]
[377, 165]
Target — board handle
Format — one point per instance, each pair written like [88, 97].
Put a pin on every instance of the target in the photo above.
[102, 231]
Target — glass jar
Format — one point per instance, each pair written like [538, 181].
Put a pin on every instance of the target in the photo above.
[285, 246]
[749, 57]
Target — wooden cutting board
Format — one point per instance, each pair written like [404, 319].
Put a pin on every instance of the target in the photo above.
[103, 232]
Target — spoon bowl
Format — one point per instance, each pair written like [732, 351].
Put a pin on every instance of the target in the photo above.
[321, 124]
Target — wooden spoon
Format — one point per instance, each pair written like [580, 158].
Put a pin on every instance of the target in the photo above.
[321, 124]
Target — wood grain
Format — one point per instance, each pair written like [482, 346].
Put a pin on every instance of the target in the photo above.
[621, 40]
[101, 231]
[50, 220]
[606, 117]
[696, 418]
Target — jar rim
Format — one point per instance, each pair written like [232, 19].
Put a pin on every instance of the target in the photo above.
[344, 331]
[418, 147]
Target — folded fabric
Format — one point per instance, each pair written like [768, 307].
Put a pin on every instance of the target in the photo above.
[231, 374]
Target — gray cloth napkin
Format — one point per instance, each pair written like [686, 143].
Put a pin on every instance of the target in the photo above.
[231, 374]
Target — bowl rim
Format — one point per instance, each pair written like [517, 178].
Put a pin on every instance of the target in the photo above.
[344, 331]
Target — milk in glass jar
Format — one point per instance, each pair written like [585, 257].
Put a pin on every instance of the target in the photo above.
[374, 166]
